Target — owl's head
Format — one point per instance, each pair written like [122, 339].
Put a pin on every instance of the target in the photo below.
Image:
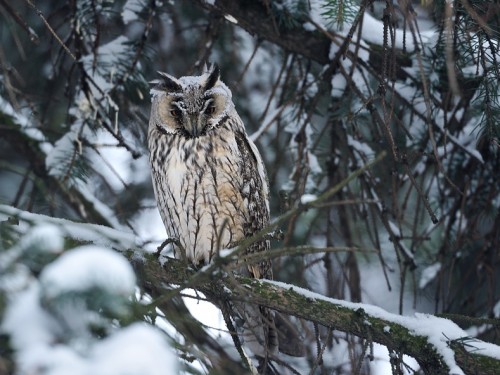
[190, 106]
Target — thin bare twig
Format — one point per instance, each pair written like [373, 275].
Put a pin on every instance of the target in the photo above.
[52, 31]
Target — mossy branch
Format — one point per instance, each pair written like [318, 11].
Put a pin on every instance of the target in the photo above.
[329, 313]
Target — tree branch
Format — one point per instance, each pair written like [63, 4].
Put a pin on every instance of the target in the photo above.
[30, 149]
[358, 319]
[312, 45]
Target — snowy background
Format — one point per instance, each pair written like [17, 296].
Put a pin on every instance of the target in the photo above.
[70, 300]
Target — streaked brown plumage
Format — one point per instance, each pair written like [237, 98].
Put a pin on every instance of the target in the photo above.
[208, 176]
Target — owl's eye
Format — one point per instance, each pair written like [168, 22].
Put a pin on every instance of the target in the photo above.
[210, 110]
[176, 113]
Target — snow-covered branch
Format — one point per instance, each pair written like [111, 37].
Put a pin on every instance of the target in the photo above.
[438, 344]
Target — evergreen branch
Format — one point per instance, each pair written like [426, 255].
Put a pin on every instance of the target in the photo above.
[31, 150]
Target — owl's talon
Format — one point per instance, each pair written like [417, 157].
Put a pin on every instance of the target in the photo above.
[167, 242]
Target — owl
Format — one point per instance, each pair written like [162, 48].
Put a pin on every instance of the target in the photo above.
[209, 179]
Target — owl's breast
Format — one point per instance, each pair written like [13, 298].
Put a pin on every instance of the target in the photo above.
[198, 189]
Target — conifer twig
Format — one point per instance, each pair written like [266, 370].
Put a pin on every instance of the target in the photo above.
[52, 31]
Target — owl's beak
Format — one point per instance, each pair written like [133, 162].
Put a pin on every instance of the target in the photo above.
[193, 125]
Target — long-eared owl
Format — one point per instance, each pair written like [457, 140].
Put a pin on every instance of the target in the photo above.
[208, 176]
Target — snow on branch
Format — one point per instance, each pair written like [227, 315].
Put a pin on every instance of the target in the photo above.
[438, 344]
[51, 320]
[94, 233]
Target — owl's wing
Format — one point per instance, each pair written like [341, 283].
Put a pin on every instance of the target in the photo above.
[255, 192]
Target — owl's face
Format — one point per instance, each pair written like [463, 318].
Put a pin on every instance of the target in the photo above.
[191, 106]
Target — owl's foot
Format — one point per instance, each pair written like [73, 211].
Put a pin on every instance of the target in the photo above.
[176, 242]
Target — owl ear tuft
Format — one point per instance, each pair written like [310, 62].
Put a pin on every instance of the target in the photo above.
[214, 75]
[167, 83]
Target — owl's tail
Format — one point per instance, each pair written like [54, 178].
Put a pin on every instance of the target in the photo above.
[266, 332]
[289, 339]
[257, 329]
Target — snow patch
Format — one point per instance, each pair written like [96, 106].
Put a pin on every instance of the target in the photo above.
[26, 322]
[307, 198]
[98, 234]
[429, 274]
[136, 349]
[231, 19]
[85, 268]
[131, 10]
